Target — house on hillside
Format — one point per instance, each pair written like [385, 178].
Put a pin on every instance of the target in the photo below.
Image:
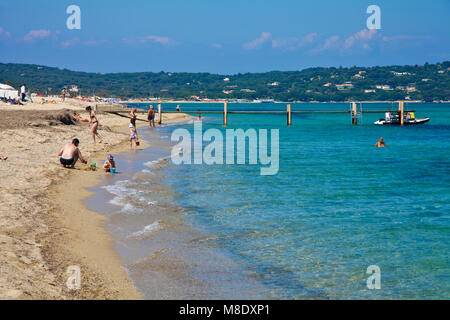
[345, 86]
[384, 87]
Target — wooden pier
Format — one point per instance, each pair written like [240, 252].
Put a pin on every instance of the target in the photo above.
[355, 113]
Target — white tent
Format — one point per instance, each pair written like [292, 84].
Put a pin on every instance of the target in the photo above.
[8, 92]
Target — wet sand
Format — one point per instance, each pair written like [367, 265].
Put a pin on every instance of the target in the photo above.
[44, 225]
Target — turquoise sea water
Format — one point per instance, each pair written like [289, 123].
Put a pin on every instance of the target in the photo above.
[336, 206]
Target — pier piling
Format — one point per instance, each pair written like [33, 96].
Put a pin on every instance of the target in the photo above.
[354, 114]
[225, 114]
[160, 114]
[289, 115]
[401, 109]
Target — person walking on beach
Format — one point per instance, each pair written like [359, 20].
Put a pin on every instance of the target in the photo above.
[70, 154]
[63, 94]
[23, 90]
[380, 143]
[151, 116]
[94, 121]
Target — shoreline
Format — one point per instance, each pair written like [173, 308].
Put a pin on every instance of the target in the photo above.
[86, 240]
[44, 224]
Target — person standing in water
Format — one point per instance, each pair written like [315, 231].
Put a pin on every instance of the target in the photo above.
[133, 117]
[151, 116]
[133, 136]
[380, 143]
[178, 108]
[199, 115]
[94, 121]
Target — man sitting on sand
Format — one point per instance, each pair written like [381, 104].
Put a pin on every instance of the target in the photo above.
[380, 143]
[70, 154]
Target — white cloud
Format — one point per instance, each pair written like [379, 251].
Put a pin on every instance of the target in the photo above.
[70, 43]
[293, 43]
[37, 35]
[217, 45]
[150, 39]
[157, 39]
[330, 43]
[264, 37]
[4, 33]
[363, 36]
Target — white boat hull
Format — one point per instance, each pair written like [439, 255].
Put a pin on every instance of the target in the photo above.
[397, 122]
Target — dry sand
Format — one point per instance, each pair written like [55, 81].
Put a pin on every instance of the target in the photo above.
[44, 225]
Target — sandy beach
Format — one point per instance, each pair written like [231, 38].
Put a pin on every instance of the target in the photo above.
[44, 225]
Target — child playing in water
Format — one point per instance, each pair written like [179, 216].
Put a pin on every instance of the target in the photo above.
[133, 135]
[109, 164]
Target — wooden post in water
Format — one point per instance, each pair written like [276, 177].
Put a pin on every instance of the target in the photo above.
[225, 114]
[354, 114]
[289, 115]
[160, 113]
[401, 109]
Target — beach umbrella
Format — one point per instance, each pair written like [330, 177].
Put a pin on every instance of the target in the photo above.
[5, 87]
[7, 91]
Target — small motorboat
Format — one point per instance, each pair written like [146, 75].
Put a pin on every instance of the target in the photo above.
[394, 119]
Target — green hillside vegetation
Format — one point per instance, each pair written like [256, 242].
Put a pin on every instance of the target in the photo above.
[428, 82]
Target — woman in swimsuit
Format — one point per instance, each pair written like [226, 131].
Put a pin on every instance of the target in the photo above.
[94, 121]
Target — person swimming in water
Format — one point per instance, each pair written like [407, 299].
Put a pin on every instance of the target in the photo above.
[380, 143]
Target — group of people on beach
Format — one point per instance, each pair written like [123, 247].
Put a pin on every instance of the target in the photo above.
[70, 153]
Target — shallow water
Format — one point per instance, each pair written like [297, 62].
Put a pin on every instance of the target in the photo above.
[336, 206]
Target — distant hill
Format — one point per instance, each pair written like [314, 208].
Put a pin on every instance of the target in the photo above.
[428, 82]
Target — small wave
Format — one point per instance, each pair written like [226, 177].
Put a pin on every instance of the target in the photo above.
[129, 208]
[117, 201]
[155, 226]
[118, 188]
[157, 162]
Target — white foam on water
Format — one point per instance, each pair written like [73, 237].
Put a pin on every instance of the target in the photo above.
[117, 201]
[154, 163]
[129, 208]
[155, 226]
[118, 188]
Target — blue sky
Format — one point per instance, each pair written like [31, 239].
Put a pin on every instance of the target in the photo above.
[222, 36]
